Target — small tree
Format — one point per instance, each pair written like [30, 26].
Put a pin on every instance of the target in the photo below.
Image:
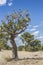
[27, 38]
[13, 25]
[31, 44]
[37, 45]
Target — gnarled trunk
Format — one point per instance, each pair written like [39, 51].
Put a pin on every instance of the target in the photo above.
[14, 48]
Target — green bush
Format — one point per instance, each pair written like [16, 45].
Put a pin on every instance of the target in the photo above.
[42, 47]
[20, 48]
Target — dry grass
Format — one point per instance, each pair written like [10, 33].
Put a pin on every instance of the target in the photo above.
[25, 58]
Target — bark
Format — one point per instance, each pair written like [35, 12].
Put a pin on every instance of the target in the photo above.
[0, 49]
[14, 48]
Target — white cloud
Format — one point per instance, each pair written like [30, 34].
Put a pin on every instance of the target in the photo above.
[36, 26]
[30, 25]
[33, 29]
[40, 37]
[3, 2]
[9, 4]
[19, 35]
[35, 33]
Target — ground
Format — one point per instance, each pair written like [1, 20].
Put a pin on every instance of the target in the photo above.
[25, 58]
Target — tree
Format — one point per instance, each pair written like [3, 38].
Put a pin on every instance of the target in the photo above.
[37, 44]
[27, 38]
[12, 26]
[31, 44]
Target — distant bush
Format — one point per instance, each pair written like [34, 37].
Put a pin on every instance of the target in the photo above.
[42, 47]
[31, 48]
[34, 48]
[20, 48]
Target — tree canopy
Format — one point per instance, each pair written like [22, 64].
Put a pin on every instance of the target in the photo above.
[12, 25]
[31, 43]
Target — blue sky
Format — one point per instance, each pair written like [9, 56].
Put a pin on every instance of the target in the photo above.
[35, 8]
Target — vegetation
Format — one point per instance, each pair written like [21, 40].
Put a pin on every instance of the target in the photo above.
[31, 44]
[4, 46]
[20, 48]
[42, 47]
[13, 25]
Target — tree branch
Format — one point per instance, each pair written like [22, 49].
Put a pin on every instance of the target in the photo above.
[20, 32]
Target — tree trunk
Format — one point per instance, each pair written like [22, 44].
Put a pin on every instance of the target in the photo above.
[14, 48]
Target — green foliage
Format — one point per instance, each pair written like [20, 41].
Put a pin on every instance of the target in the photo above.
[20, 48]
[42, 47]
[31, 44]
[3, 45]
[14, 24]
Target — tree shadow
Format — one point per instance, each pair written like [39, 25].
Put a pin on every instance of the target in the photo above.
[13, 59]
